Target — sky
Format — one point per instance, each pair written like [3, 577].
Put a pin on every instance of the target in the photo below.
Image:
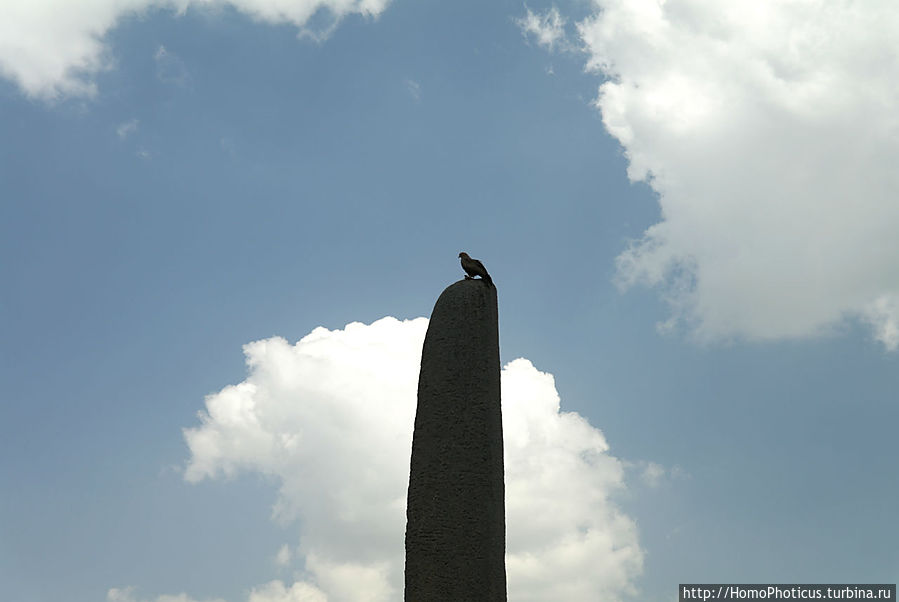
[224, 225]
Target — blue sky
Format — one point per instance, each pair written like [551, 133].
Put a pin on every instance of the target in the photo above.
[688, 208]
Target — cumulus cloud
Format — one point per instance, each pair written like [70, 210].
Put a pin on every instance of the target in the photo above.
[330, 418]
[548, 29]
[769, 131]
[53, 48]
[566, 540]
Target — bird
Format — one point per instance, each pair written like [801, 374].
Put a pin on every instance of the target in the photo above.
[473, 267]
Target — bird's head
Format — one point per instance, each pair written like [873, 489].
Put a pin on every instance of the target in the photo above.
[464, 255]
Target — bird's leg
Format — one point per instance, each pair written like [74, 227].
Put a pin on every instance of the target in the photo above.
[467, 277]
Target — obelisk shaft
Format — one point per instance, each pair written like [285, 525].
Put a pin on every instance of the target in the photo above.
[456, 530]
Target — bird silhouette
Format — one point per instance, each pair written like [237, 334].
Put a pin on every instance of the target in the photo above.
[473, 267]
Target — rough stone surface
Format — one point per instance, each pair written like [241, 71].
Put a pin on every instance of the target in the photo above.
[456, 528]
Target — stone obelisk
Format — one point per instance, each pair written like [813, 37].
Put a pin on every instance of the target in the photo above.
[456, 528]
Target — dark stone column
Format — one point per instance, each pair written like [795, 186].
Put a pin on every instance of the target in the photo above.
[455, 518]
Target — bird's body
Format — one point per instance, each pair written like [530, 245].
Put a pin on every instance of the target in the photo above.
[473, 268]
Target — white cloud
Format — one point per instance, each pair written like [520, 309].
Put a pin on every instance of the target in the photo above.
[769, 130]
[881, 315]
[547, 29]
[566, 540]
[228, 146]
[276, 591]
[126, 129]
[127, 595]
[282, 558]
[414, 89]
[331, 419]
[53, 48]
[653, 474]
[170, 69]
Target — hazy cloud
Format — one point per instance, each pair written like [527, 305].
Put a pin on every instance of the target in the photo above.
[282, 558]
[770, 133]
[126, 129]
[170, 69]
[228, 146]
[53, 48]
[653, 474]
[127, 595]
[548, 29]
[414, 89]
[276, 591]
[330, 418]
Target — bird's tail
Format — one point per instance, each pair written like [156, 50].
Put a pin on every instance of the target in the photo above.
[486, 278]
